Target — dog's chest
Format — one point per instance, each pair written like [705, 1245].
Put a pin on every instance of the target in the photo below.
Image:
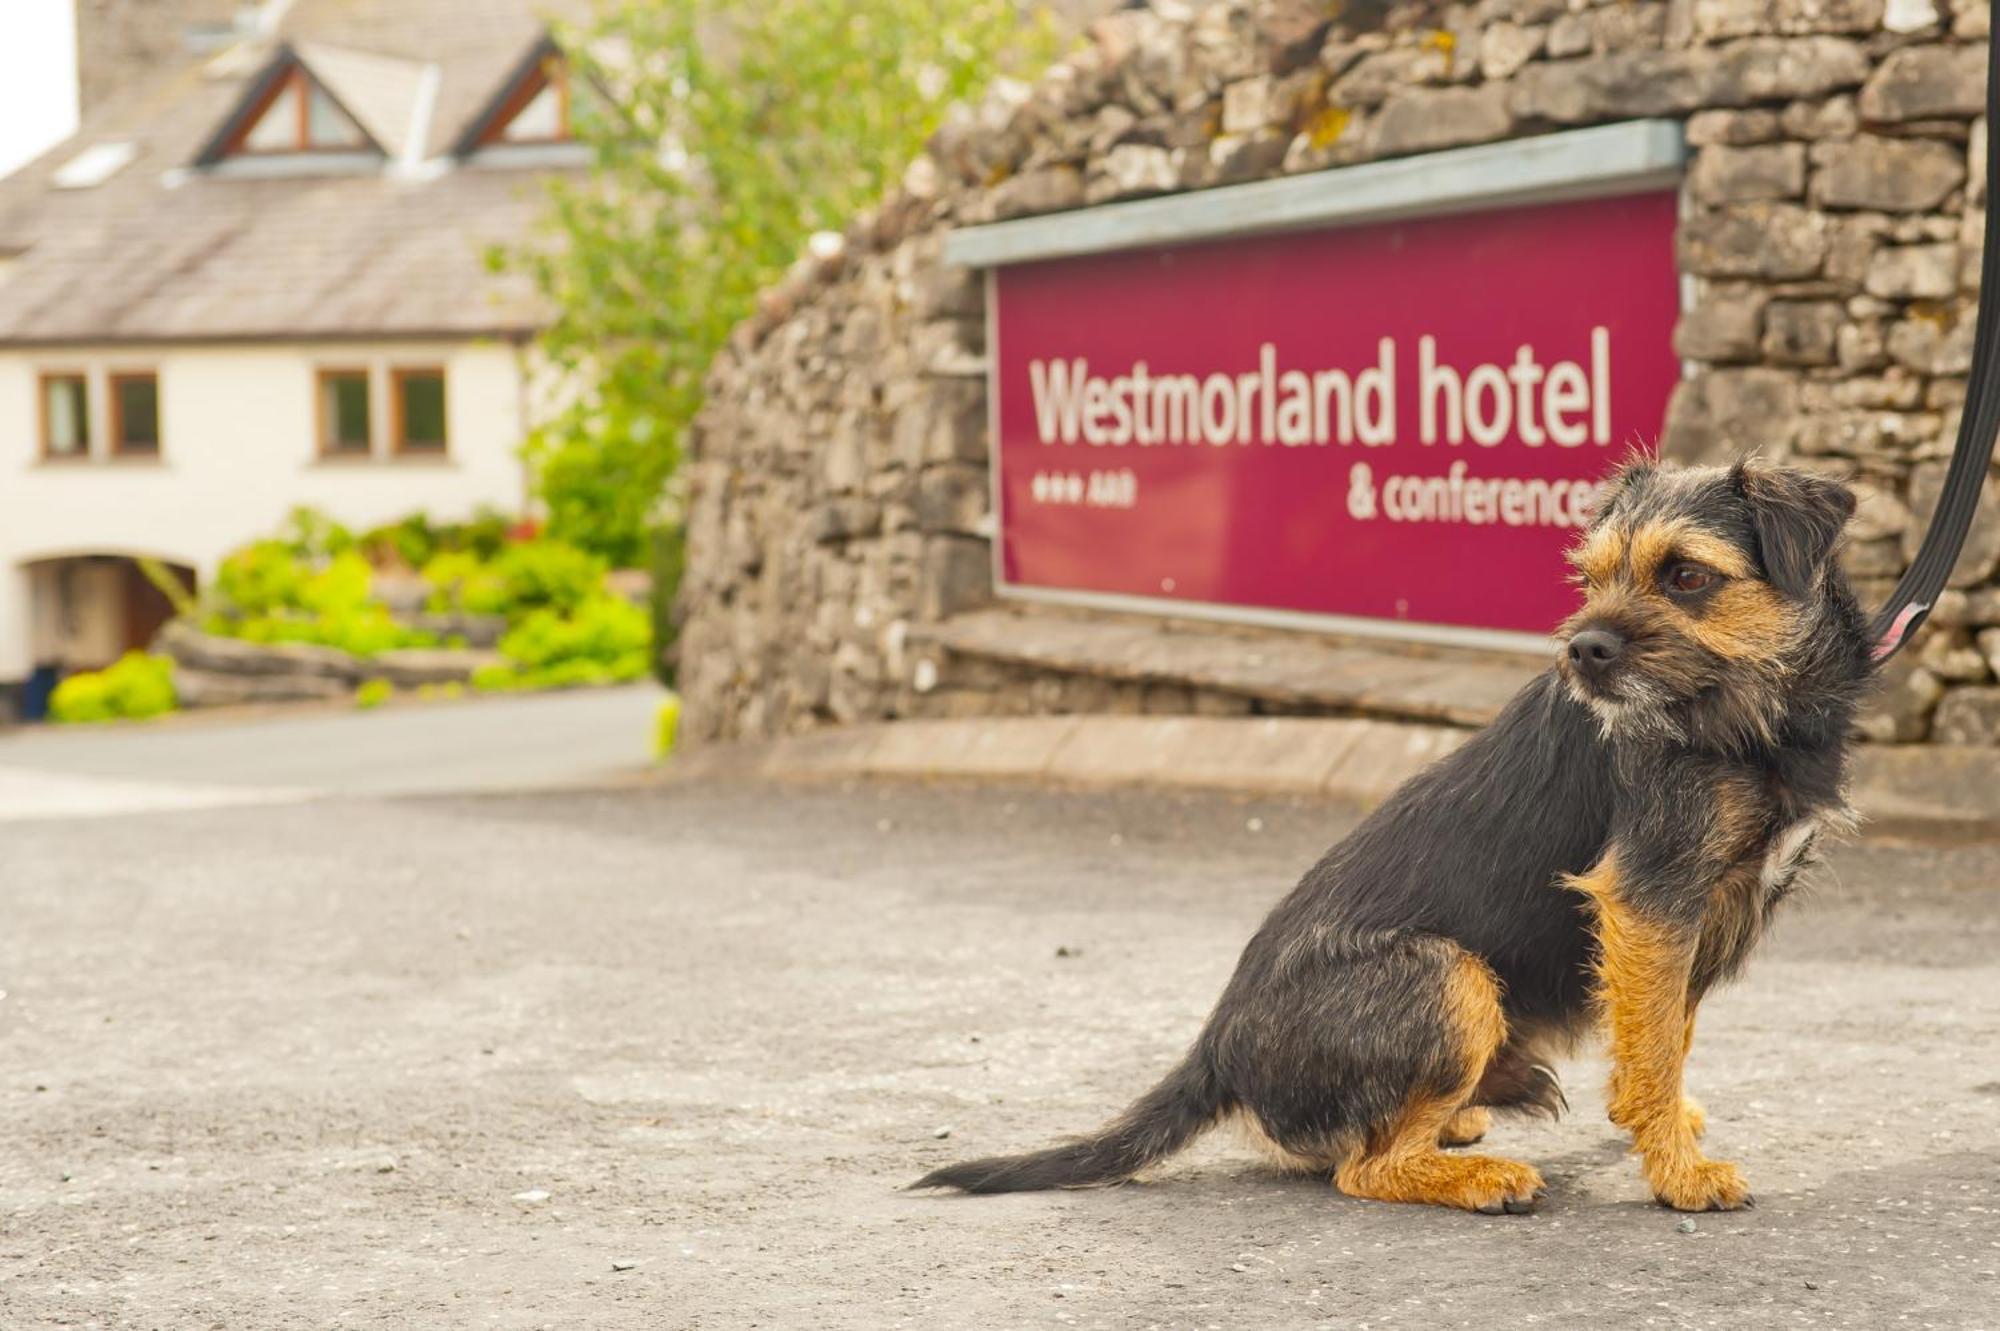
[1786, 853]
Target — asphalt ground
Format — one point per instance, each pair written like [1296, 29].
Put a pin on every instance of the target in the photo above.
[664, 1056]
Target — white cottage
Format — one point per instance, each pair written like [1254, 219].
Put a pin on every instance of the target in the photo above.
[257, 280]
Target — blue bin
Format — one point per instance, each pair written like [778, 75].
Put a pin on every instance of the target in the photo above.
[36, 692]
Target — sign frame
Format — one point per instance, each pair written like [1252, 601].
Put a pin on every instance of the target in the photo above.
[1630, 157]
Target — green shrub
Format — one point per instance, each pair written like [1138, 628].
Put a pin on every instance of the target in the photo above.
[549, 573]
[525, 577]
[311, 534]
[604, 629]
[137, 685]
[365, 630]
[411, 541]
[460, 580]
[604, 641]
[373, 693]
[414, 541]
[265, 594]
[263, 577]
[565, 628]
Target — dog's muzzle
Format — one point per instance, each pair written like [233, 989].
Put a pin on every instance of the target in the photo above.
[1593, 654]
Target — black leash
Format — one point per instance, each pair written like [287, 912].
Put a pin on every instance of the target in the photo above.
[1910, 604]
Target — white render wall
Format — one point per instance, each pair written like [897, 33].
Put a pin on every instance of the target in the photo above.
[239, 450]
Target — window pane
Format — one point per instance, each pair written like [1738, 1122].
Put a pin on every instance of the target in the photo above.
[138, 413]
[344, 413]
[327, 126]
[277, 131]
[67, 413]
[422, 426]
[539, 121]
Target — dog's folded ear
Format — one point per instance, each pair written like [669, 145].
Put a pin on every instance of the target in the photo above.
[1632, 475]
[1798, 516]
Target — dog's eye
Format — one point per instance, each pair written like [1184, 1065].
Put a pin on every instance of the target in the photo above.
[1691, 578]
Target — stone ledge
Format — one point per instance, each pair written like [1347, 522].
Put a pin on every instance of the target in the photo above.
[1934, 791]
[1301, 671]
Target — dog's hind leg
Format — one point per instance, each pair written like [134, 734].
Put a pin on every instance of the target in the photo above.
[1398, 1159]
[1467, 1126]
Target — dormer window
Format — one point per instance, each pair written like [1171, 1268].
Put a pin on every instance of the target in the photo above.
[537, 110]
[297, 115]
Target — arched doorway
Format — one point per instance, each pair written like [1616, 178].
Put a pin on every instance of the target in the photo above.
[87, 610]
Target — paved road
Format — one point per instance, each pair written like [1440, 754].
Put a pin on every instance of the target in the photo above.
[451, 1061]
[196, 761]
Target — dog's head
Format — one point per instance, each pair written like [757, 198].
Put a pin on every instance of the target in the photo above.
[1705, 589]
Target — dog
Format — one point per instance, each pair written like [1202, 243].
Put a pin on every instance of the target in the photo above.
[1603, 854]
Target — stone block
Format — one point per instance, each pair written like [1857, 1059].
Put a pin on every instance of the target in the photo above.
[943, 422]
[414, 667]
[953, 498]
[1932, 343]
[1802, 332]
[956, 575]
[1622, 85]
[1833, 118]
[1713, 20]
[1949, 652]
[1968, 716]
[1771, 241]
[1723, 175]
[221, 688]
[1926, 83]
[1505, 47]
[1050, 189]
[845, 519]
[1570, 35]
[1913, 272]
[1726, 323]
[1900, 709]
[1732, 128]
[1425, 120]
[1130, 171]
[1981, 554]
[1886, 175]
[1251, 104]
[1725, 415]
[209, 652]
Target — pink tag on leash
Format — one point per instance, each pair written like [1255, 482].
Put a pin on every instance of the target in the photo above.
[1892, 637]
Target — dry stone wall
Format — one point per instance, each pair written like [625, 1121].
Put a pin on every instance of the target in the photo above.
[1835, 199]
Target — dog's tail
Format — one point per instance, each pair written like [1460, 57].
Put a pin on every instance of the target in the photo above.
[1161, 1122]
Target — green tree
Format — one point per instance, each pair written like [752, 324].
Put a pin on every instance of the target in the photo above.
[726, 133]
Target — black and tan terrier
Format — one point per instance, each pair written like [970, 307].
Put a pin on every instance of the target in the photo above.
[1603, 854]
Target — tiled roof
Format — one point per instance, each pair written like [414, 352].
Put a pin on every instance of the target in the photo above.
[165, 251]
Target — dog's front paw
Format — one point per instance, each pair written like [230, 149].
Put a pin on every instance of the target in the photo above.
[1701, 1185]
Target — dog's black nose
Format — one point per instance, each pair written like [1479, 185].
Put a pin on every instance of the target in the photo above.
[1594, 651]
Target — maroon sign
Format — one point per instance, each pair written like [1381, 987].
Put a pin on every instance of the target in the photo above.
[1402, 421]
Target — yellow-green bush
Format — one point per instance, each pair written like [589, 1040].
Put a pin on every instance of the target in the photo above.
[135, 686]
[267, 594]
[565, 628]
[603, 641]
[529, 576]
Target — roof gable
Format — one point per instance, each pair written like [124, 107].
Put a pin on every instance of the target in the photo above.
[288, 108]
[539, 74]
[390, 97]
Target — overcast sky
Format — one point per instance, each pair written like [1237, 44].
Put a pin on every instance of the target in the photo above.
[37, 78]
